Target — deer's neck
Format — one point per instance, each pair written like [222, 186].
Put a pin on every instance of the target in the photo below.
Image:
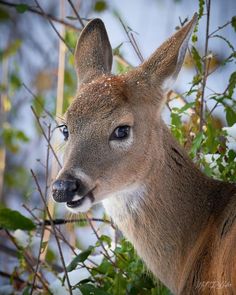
[165, 216]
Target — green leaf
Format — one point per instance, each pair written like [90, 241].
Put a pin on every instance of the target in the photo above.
[194, 38]
[11, 137]
[197, 59]
[105, 268]
[72, 17]
[17, 177]
[79, 258]
[233, 22]
[20, 135]
[230, 116]
[231, 155]
[232, 84]
[12, 49]
[4, 15]
[196, 143]
[50, 256]
[26, 291]
[12, 220]
[68, 80]
[175, 119]
[88, 289]
[116, 50]
[106, 240]
[119, 284]
[201, 4]
[186, 107]
[21, 8]
[71, 38]
[15, 81]
[100, 6]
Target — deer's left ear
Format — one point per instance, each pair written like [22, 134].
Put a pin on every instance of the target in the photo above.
[164, 64]
[93, 53]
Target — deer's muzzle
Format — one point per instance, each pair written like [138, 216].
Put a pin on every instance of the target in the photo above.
[64, 190]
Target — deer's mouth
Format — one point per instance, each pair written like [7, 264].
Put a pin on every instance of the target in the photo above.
[79, 201]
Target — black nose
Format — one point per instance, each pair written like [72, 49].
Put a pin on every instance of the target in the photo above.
[64, 190]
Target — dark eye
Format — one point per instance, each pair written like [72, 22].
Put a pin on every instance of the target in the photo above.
[121, 132]
[65, 132]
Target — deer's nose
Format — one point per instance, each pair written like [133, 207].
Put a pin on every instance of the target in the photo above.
[64, 190]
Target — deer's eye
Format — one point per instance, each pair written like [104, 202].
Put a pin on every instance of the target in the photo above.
[120, 133]
[65, 132]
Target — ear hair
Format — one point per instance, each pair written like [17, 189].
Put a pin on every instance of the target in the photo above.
[163, 66]
[93, 53]
[169, 81]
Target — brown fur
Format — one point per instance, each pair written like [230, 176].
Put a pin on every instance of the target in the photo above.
[180, 222]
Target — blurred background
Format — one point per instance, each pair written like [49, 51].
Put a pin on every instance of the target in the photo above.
[38, 82]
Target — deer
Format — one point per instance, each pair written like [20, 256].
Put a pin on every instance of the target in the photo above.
[120, 152]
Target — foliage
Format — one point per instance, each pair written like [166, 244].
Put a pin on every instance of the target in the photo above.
[12, 220]
[123, 273]
[100, 6]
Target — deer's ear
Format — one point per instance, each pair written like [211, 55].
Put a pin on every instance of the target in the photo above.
[163, 66]
[93, 53]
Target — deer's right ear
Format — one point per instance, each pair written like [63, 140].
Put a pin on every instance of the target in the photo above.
[161, 69]
[93, 53]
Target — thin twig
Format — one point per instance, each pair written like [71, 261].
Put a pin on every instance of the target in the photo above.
[106, 254]
[39, 103]
[46, 15]
[15, 253]
[76, 13]
[45, 136]
[74, 252]
[55, 29]
[27, 261]
[136, 46]
[137, 51]
[208, 7]
[47, 163]
[220, 28]
[64, 221]
[31, 213]
[43, 227]
[54, 231]
[14, 277]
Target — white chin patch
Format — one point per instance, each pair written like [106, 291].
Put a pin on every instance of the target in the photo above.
[84, 207]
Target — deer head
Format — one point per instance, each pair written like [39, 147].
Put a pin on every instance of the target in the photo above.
[113, 126]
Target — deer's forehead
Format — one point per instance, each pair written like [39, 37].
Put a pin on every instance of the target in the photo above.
[99, 99]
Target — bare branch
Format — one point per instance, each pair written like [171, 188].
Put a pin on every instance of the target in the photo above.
[14, 277]
[45, 136]
[14, 253]
[106, 254]
[65, 221]
[220, 28]
[132, 41]
[205, 66]
[46, 15]
[136, 46]
[54, 231]
[54, 28]
[28, 262]
[30, 212]
[76, 13]
[43, 227]
[39, 102]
